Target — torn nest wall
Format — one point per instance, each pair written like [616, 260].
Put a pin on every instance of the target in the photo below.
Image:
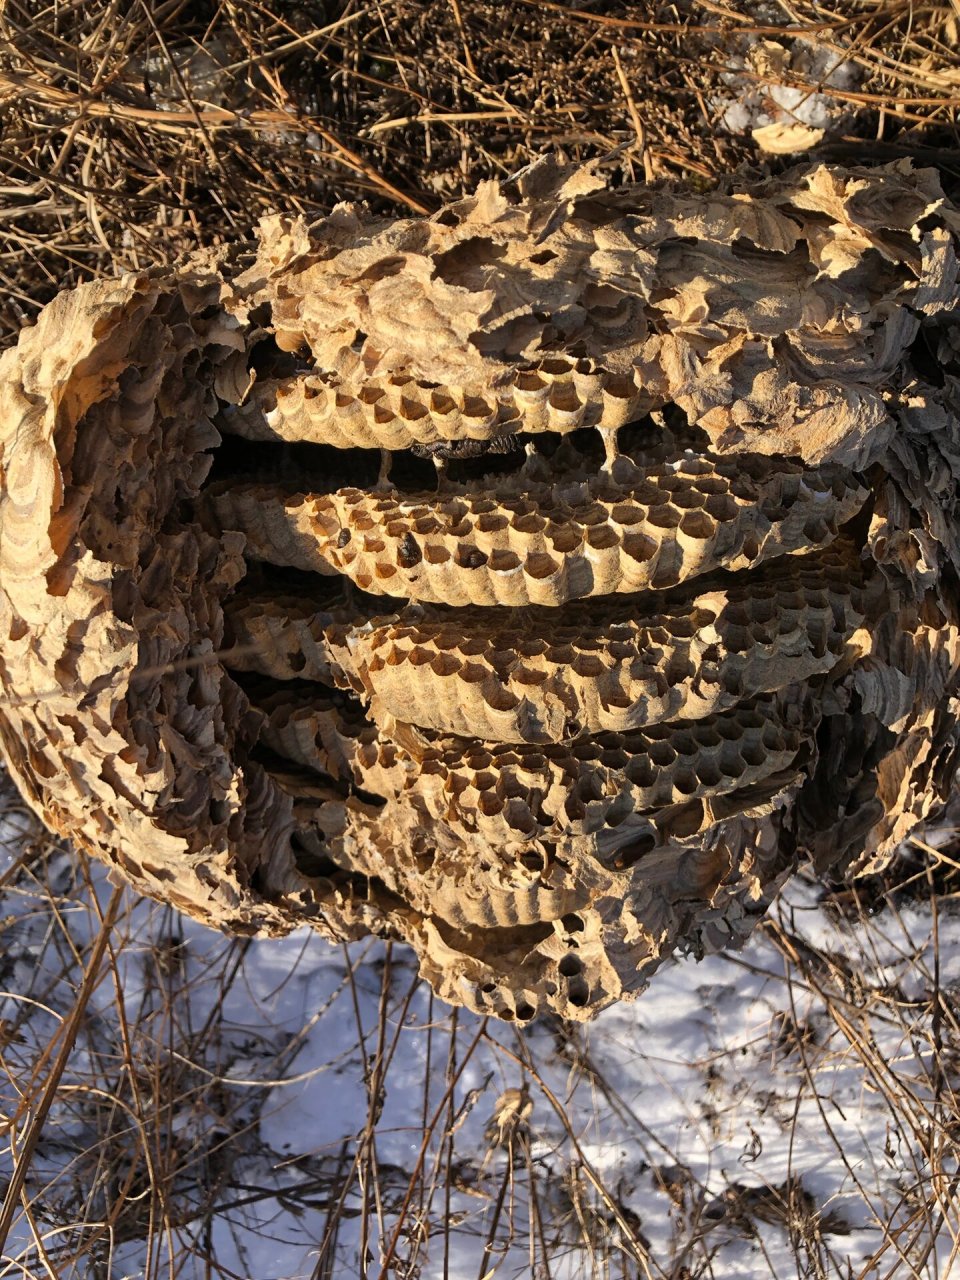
[537, 582]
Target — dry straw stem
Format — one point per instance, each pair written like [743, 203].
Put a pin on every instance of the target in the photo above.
[39, 1109]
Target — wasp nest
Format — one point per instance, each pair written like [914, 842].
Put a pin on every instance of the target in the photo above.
[536, 582]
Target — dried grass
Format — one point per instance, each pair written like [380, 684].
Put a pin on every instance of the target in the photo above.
[133, 131]
[132, 1106]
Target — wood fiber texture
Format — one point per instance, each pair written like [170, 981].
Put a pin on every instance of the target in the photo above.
[536, 583]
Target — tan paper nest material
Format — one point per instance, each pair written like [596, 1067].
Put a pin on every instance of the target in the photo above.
[676, 606]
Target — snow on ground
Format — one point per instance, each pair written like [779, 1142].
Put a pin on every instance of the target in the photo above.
[289, 1108]
[787, 91]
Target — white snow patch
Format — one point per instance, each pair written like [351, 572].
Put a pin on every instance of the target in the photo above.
[785, 81]
[732, 1125]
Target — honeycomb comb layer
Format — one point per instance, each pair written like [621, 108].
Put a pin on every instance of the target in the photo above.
[490, 792]
[558, 394]
[603, 666]
[527, 676]
[529, 542]
[507, 883]
[733, 306]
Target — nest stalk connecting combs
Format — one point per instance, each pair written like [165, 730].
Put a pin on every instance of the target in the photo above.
[537, 583]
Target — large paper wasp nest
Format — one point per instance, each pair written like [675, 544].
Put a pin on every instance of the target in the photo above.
[536, 582]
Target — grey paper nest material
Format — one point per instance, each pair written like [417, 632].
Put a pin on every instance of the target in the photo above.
[536, 583]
